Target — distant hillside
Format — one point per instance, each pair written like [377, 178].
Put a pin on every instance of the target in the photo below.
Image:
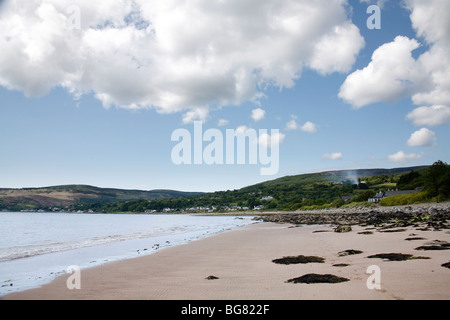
[67, 196]
[287, 193]
[304, 191]
[350, 176]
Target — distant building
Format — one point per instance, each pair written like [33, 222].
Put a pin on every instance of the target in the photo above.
[267, 198]
[384, 194]
[377, 198]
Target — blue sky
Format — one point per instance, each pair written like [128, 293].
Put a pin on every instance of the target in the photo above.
[96, 102]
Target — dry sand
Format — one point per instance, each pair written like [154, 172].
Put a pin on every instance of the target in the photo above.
[242, 262]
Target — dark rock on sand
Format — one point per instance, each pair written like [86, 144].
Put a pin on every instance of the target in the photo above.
[396, 256]
[341, 265]
[433, 248]
[432, 216]
[415, 238]
[318, 278]
[299, 259]
[392, 230]
[349, 252]
[211, 278]
[446, 265]
[435, 245]
[343, 228]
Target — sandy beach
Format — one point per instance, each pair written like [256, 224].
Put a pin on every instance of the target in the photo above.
[242, 263]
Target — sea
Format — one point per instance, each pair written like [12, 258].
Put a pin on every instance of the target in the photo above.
[37, 247]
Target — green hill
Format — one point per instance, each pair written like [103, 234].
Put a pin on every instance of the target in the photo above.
[302, 191]
[344, 176]
[305, 191]
[70, 196]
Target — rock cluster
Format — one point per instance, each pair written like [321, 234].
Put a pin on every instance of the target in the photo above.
[433, 216]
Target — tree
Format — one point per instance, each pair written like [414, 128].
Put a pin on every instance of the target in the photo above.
[363, 186]
[437, 179]
[444, 186]
[364, 196]
[272, 204]
[338, 202]
[407, 181]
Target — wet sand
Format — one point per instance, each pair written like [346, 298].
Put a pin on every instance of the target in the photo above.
[241, 266]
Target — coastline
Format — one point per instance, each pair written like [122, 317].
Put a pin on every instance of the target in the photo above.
[242, 262]
[29, 260]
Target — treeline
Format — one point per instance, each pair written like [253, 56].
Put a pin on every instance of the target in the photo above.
[279, 197]
[313, 193]
[435, 181]
[303, 192]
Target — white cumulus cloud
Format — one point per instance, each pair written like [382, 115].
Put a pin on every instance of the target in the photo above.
[422, 137]
[241, 129]
[328, 57]
[197, 114]
[394, 73]
[267, 140]
[258, 114]
[333, 156]
[172, 55]
[309, 127]
[222, 122]
[403, 157]
[430, 116]
[306, 127]
[292, 125]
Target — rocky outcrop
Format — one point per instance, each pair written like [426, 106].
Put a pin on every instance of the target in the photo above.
[433, 216]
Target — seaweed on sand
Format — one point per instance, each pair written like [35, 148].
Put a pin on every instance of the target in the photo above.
[341, 265]
[435, 245]
[318, 278]
[299, 259]
[349, 252]
[396, 256]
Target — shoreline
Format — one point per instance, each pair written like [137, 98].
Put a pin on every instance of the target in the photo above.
[241, 260]
[123, 238]
[355, 209]
[434, 215]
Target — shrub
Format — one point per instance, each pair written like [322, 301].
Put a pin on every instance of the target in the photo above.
[405, 199]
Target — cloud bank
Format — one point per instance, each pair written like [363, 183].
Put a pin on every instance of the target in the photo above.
[403, 157]
[394, 73]
[430, 116]
[172, 55]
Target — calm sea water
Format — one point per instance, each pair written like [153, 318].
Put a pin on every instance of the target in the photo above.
[37, 247]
